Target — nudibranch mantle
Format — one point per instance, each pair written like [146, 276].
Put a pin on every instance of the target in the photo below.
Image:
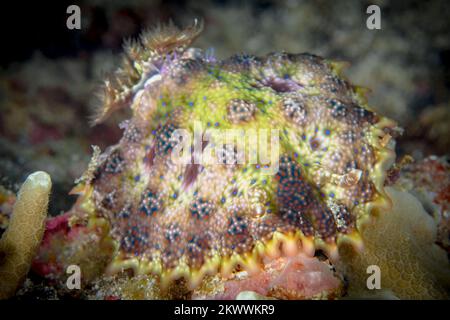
[186, 220]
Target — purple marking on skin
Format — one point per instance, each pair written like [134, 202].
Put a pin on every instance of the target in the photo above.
[281, 85]
[150, 156]
[192, 170]
[190, 175]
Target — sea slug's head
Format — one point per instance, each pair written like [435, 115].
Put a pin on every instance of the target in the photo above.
[143, 61]
[305, 171]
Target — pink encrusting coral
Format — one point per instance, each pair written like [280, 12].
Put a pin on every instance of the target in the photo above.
[298, 277]
[67, 243]
[57, 230]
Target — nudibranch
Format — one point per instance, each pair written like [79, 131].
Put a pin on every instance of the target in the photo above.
[189, 219]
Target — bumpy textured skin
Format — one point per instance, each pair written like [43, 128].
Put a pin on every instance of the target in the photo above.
[21, 240]
[177, 220]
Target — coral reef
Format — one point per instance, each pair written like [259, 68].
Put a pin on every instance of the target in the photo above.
[429, 134]
[20, 242]
[435, 122]
[43, 126]
[7, 200]
[429, 181]
[401, 242]
[43, 123]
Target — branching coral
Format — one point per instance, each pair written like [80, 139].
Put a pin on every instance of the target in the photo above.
[401, 242]
[21, 240]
